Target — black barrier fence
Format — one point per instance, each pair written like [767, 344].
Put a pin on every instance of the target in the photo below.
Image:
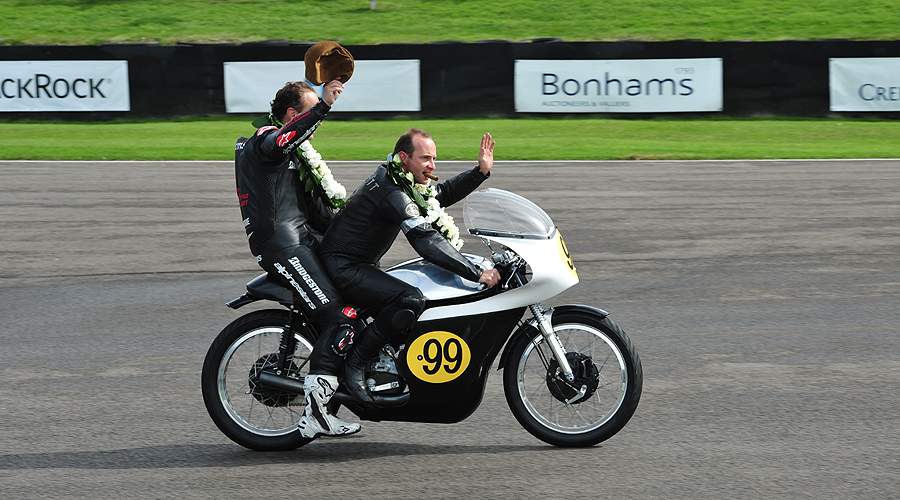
[786, 78]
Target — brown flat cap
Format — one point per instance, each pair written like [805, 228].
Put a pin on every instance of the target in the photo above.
[326, 61]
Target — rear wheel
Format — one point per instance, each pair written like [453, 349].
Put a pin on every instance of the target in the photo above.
[250, 414]
[601, 400]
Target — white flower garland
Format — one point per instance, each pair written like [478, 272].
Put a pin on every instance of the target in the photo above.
[335, 192]
[437, 215]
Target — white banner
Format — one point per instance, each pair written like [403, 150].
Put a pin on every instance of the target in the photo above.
[864, 84]
[64, 86]
[618, 86]
[382, 85]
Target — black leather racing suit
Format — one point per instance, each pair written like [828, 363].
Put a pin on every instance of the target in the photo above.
[284, 225]
[364, 231]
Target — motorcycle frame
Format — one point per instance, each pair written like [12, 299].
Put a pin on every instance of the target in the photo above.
[453, 401]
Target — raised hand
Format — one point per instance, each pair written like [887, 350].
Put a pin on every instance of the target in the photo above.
[486, 156]
[331, 91]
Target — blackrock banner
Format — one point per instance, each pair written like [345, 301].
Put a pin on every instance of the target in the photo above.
[618, 86]
[27, 86]
[864, 84]
[376, 85]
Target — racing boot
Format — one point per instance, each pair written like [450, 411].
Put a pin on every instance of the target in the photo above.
[316, 419]
[365, 347]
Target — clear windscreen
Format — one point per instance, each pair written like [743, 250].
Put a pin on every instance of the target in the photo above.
[495, 212]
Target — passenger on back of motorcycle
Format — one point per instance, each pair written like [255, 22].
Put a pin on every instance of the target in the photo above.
[398, 197]
[286, 209]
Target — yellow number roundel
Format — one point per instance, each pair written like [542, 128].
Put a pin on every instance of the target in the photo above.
[564, 255]
[438, 357]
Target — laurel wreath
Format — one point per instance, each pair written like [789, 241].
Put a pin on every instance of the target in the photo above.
[423, 195]
[317, 178]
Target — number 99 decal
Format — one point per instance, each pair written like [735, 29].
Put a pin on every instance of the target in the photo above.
[438, 357]
[565, 256]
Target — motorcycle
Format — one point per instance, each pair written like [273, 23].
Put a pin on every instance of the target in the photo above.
[571, 376]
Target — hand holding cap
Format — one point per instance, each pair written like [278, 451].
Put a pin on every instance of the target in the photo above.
[327, 61]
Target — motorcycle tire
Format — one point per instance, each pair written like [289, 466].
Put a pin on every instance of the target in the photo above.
[251, 415]
[603, 397]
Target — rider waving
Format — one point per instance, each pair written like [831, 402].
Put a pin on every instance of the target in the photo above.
[397, 197]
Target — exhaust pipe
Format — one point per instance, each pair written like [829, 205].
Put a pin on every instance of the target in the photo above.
[272, 381]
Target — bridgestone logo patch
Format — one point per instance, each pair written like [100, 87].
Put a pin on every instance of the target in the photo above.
[311, 283]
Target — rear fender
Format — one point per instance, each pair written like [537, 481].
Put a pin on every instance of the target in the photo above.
[263, 287]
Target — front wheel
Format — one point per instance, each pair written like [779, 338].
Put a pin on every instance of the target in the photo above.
[250, 414]
[597, 404]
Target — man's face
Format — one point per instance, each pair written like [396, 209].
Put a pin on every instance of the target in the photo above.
[307, 100]
[421, 160]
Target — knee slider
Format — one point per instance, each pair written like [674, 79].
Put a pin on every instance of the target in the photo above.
[343, 339]
[409, 307]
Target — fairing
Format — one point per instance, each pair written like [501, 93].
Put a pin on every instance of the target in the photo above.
[513, 222]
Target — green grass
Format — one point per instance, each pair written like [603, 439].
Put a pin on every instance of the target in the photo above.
[517, 139]
[85, 22]
[351, 22]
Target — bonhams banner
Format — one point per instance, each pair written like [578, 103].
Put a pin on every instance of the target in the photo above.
[27, 86]
[382, 85]
[618, 86]
[864, 84]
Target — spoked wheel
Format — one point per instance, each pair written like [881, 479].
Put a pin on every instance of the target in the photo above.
[250, 414]
[603, 396]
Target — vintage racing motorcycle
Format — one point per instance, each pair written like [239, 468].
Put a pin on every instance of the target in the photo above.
[571, 376]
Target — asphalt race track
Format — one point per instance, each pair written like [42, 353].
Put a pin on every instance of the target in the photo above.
[763, 298]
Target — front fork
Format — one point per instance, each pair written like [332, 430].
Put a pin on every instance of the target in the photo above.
[552, 339]
[517, 279]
